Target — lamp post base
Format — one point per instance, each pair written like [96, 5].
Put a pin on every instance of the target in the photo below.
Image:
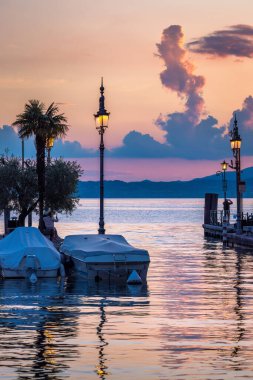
[101, 231]
[101, 225]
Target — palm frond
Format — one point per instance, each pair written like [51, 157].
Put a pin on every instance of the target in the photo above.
[35, 120]
[28, 121]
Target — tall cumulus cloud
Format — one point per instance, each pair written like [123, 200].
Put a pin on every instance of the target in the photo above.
[189, 134]
[179, 72]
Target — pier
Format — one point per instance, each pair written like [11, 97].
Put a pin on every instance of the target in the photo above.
[217, 225]
[245, 240]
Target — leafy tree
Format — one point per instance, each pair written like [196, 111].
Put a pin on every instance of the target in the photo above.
[19, 188]
[61, 184]
[43, 124]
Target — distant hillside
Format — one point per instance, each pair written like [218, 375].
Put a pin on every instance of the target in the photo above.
[195, 188]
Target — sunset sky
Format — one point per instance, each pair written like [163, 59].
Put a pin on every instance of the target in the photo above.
[174, 73]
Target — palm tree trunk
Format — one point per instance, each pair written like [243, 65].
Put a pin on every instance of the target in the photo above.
[40, 148]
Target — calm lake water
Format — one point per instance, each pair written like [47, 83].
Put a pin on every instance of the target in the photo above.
[193, 319]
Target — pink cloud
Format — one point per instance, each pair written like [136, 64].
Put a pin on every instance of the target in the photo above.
[235, 41]
[178, 74]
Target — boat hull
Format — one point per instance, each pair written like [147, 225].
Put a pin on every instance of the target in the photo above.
[108, 271]
[21, 273]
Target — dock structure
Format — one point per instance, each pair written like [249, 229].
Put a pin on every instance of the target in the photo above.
[217, 225]
[244, 240]
[217, 222]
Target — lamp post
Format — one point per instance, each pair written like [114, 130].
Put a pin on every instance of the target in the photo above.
[235, 142]
[226, 203]
[224, 166]
[101, 119]
[49, 146]
[222, 172]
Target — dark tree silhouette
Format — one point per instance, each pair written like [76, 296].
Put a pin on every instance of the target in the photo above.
[43, 124]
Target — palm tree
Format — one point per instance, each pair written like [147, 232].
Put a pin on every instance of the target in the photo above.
[43, 124]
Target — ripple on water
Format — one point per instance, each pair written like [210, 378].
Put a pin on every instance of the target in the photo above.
[193, 319]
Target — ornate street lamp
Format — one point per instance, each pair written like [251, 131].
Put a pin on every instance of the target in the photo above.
[101, 119]
[49, 146]
[235, 142]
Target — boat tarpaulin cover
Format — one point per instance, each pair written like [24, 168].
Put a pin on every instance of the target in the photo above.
[85, 246]
[25, 241]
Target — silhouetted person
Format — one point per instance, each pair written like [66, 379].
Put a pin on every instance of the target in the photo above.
[49, 220]
[226, 208]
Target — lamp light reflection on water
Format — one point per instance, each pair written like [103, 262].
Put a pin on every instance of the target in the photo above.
[192, 320]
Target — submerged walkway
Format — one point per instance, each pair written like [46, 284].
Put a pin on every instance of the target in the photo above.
[234, 240]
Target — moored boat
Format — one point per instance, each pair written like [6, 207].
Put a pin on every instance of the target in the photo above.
[26, 253]
[105, 257]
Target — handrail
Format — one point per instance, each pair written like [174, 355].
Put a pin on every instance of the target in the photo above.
[217, 217]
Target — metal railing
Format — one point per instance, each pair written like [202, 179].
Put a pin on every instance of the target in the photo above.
[247, 219]
[217, 216]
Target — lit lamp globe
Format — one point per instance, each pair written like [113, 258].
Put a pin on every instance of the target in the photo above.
[224, 165]
[50, 143]
[102, 120]
[236, 143]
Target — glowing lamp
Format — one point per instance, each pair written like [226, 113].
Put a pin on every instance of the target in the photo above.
[236, 143]
[50, 142]
[224, 165]
[101, 119]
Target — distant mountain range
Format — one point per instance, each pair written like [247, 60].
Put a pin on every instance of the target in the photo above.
[195, 188]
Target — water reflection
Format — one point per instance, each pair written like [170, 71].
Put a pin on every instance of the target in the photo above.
[194, 321]
[106, 298]
[102, 368]
[35, 329]
[232, 267]
[238, 308]
[206, 332]
[39, 322]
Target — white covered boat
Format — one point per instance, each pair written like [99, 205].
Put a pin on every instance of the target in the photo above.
[26, 252]
[105, 257]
